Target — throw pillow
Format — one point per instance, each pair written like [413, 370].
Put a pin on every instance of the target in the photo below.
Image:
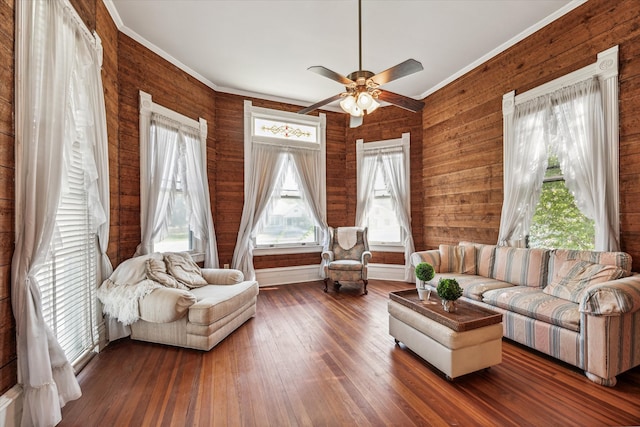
[157, 271]
[184, 269]
[457, 259]
[575, 276]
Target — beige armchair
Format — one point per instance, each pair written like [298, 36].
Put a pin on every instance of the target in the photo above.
[347, 256]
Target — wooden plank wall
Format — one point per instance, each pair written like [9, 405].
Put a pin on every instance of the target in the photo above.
[8, 367]
[462, 123]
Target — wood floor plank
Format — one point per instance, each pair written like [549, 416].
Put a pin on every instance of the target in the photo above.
[311, 358]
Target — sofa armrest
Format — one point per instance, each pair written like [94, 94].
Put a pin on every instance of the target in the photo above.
[431, 256]
[222, 276]
[164, 305]
[612, 298]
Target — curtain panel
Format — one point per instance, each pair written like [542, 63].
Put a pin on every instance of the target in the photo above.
[50, 116]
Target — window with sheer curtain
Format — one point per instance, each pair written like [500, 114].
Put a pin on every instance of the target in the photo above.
[284, 186]
[61, 204]
[571, 121]
[384, 195]
[175, 208]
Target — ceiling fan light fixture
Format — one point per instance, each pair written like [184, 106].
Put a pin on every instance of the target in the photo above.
[356, 111]
[374, 106]
[365, 100]
[347, 103]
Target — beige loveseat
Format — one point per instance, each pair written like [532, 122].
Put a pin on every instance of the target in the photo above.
[168, 299]
[581, 307]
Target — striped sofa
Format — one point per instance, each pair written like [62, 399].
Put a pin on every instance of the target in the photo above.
[581, 307]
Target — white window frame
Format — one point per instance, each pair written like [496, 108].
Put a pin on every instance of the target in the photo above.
[147, 108]
[250, 138]
[404, 144]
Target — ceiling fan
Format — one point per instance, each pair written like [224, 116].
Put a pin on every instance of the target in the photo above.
[363, 87]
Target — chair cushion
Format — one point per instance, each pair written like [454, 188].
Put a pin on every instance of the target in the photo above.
[345, 265]
[218, 301]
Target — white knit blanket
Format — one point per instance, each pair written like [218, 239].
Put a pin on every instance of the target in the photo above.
[120, 301]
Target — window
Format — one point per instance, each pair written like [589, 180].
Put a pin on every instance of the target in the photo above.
[69, 276]
[291, 218]
[557, 222]
[175, 203]
[561, 161]
[384, 227]
[287, 219]
[384, 193]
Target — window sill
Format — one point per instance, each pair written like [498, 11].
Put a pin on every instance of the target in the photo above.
[386, 248]
[284, 250]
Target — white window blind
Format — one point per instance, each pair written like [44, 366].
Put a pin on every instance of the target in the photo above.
[68, 277]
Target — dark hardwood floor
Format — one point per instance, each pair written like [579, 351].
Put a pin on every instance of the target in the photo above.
[315, 359]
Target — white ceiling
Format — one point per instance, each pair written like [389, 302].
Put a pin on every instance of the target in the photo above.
[263, 48]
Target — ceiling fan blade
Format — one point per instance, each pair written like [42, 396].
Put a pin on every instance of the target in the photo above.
[317, 105]
[401, 101]
[323, 71]
[354, 122]
[405, 68]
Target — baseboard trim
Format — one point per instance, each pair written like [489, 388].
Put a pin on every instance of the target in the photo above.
[11, 407]
[310, 273]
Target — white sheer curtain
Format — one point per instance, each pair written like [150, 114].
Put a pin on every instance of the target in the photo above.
[200, 221]
[395, 177]
[45, 120]
[309, 168]
[525, 160]
[161, 178]
[266, 165]
[365, 185]
[583, 155]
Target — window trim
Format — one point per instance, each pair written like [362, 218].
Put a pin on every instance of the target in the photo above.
[147, 109]
[389, 145]
[251, 112]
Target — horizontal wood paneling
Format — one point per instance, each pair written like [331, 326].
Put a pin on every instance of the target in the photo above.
[462, 122]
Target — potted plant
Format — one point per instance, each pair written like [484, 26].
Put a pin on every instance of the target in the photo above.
[449, 290]
[424, 272]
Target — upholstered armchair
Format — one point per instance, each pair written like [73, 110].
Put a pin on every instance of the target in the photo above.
[346, 257]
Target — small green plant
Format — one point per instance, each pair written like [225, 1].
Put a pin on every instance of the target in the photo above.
[425, 271]
[449, 289]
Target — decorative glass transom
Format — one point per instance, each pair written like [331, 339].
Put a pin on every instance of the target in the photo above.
[278, 129]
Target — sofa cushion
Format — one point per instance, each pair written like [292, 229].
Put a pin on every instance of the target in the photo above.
[559, 256]
[156, 270]
[473, 286]
[485, 257]
[457, 259]
[576, 275]
[519, 266]
[184, 269]
[534, 303]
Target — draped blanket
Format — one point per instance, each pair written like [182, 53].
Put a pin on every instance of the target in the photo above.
[122, 291]
[120, 301]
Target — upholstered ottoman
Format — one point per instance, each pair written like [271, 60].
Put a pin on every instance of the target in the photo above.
[455, 343]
